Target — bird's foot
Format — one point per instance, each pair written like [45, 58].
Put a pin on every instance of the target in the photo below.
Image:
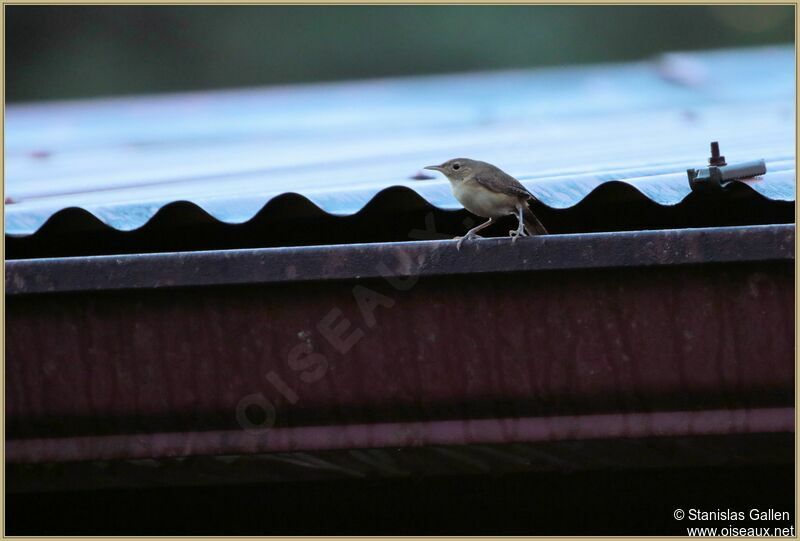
[514, 233]
[468, 236]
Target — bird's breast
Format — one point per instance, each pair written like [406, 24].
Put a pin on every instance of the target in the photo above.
[478, 200]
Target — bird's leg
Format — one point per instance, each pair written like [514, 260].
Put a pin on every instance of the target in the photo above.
[519, 231]
[471, 233]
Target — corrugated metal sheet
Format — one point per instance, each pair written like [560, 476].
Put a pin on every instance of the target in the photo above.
[563, 131]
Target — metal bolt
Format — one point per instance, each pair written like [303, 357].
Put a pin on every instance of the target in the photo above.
[715, 158]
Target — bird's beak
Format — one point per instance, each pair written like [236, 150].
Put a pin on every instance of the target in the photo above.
[434, 167]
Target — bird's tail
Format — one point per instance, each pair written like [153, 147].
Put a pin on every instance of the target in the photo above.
[532, 224]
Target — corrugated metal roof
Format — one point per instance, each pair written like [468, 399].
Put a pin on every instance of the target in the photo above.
[562, 131]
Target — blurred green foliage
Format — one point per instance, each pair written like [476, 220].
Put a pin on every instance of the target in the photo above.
[79, 51]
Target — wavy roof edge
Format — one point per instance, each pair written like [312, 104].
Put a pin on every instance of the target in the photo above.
[663, 190]
[605, 131]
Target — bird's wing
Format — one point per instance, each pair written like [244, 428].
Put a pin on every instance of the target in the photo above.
[501, 182]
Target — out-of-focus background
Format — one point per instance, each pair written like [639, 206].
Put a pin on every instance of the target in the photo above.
[57, 52]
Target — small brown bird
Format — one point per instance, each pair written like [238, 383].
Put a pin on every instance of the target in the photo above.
[489, 192]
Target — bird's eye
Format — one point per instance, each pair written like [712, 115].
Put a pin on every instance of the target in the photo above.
[456, 166]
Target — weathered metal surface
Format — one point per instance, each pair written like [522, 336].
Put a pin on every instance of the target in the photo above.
[126, 373]
[563, 131]
[270, 265]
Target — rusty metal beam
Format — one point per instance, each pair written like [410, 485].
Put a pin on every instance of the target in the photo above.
[487, 345]
[430, 258]
[642, 335]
